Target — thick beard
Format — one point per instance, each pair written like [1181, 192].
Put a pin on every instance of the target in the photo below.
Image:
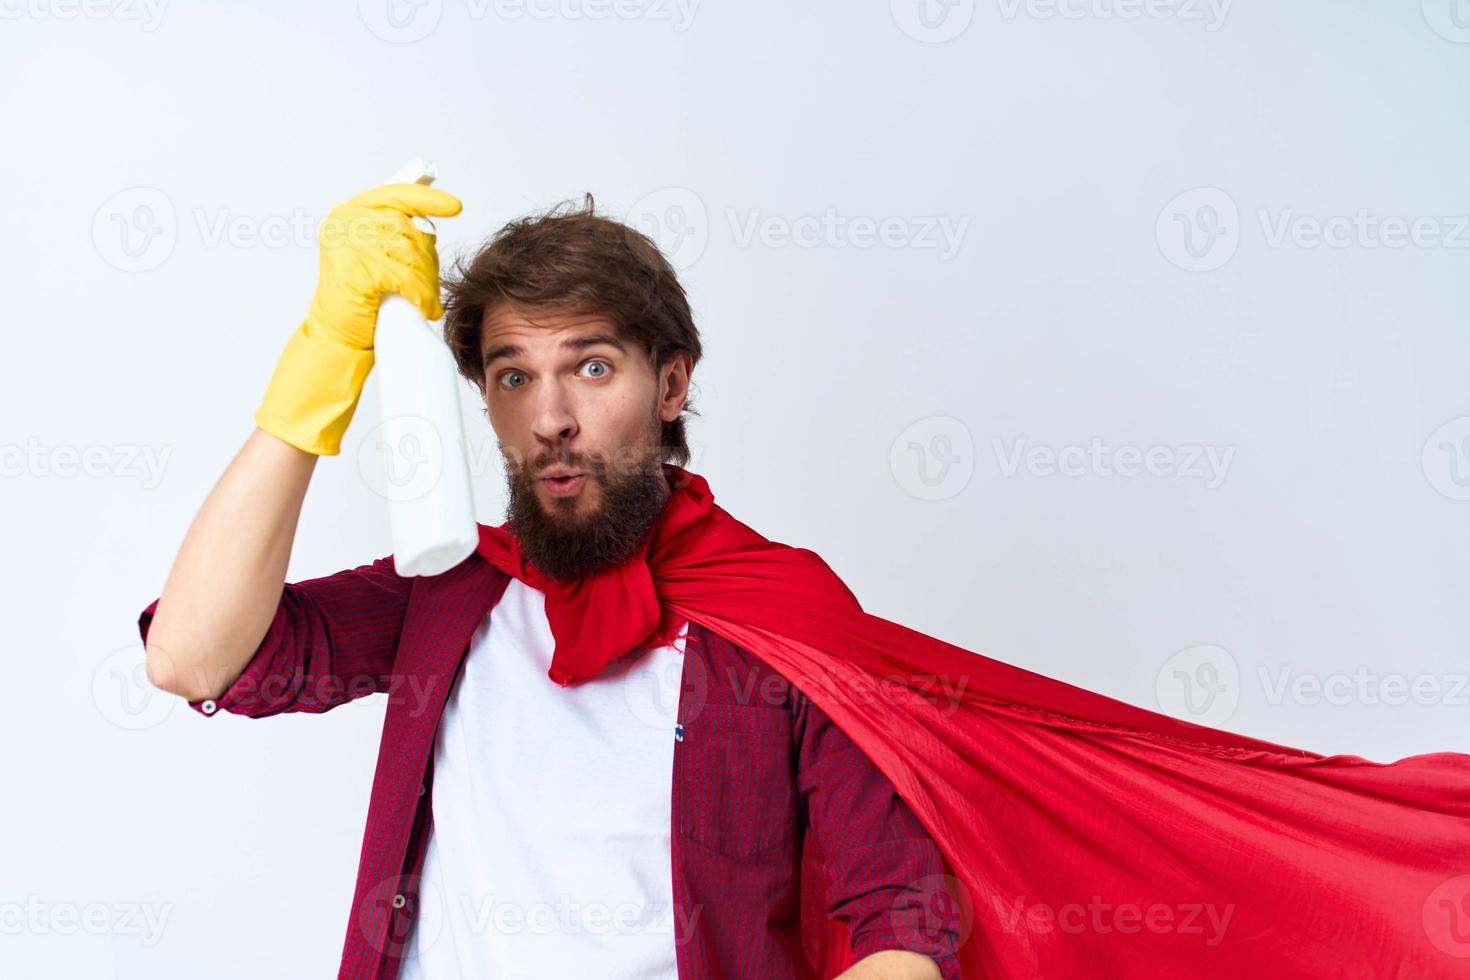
[630, 501]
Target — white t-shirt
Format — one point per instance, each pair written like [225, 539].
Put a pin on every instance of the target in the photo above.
[549, 855]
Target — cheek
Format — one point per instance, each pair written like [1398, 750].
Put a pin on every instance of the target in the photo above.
[627, 411]
[496, 418]
[512, 436]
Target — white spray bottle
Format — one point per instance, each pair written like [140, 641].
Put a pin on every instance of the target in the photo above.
[426, 479]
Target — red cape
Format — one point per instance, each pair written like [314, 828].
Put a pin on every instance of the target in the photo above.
[1087, 837]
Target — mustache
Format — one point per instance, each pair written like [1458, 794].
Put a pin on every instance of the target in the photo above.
[531, 465]
[592, 466]
[595, 464]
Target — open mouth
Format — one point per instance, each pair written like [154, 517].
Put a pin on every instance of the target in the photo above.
[564, 484]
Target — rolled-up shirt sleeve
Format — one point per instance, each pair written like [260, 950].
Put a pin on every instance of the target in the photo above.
[332, 639]
[881, 862]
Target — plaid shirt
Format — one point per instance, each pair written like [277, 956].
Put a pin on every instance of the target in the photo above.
[762, 780]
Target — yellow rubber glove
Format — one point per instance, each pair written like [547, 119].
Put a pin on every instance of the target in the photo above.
[366, 247]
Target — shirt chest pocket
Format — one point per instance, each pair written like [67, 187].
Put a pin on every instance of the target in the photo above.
[734, 789]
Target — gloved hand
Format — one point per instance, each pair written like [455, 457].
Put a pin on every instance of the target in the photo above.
[366, 247]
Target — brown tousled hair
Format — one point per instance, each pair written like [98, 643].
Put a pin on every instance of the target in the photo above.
[573, 260]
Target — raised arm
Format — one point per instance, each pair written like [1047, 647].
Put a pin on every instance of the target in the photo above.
[226, 582]
[226, 589]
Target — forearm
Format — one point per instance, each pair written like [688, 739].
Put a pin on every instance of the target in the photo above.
[892, 964]
[226, 581]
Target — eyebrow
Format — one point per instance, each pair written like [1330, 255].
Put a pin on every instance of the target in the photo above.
[575, 343]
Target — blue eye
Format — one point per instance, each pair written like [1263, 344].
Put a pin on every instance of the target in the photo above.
[503, 379]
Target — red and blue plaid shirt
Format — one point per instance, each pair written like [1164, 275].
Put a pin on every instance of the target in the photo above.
[760, 773]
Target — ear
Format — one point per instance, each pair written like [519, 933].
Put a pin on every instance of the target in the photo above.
[674, 386]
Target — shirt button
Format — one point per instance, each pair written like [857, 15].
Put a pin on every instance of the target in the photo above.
[678, 733]
[399, 901]
[208, 707]
[421, 789]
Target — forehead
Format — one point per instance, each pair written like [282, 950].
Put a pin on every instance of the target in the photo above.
[528, 328]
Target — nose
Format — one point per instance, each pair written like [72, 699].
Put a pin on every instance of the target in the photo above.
[554, 425]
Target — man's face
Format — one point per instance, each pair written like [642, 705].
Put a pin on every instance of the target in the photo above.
[566, 395]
